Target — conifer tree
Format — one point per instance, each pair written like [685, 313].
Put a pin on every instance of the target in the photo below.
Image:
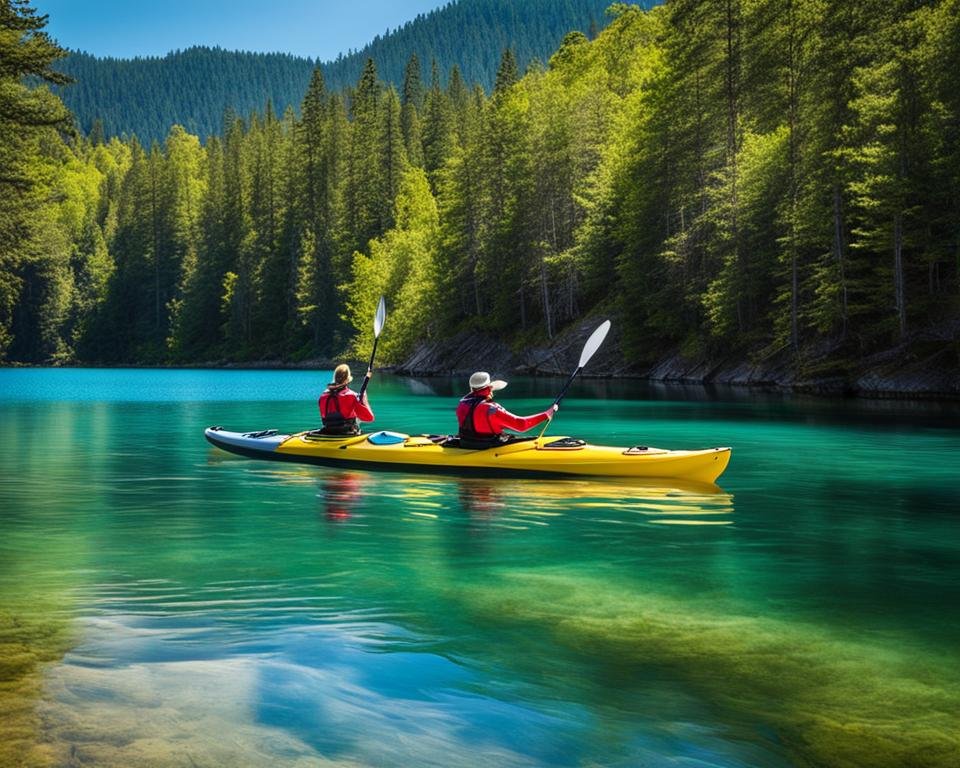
[197, 318]
[238, 260]
[363, 202]
[271, 266]
[888, 152]
[28, 115]
[394, 155]
[507, 73]
[318, 138]
[412, 103]
[459, 98]
[437, 126]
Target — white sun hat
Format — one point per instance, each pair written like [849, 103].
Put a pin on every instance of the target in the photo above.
[481, 379]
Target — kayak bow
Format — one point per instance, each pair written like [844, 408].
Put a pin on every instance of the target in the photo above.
[423, 453]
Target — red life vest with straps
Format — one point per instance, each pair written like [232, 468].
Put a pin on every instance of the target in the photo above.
[338, 411]
[473, 415]
[483, 420]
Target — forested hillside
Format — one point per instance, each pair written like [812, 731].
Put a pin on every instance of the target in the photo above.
[772, 177]
[192, 88]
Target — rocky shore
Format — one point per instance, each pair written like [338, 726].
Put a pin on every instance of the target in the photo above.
[926, 366]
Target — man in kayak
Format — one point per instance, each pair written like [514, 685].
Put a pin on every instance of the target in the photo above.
[482, 421]
[341, 408]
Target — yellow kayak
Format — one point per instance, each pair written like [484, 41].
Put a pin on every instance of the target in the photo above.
[433, 453]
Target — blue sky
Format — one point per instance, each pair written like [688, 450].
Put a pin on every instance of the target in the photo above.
[316, 28]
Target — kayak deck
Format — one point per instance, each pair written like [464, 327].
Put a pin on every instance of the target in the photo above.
[530, 456]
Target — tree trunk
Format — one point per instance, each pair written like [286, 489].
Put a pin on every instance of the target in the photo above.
[838, 251]
[156, 240]
[792, 159]
[476, 291]
[523, 306]
[545, 291]
[733, 119]
[899, 293]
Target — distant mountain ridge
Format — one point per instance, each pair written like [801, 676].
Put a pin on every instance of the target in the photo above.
[193, 87]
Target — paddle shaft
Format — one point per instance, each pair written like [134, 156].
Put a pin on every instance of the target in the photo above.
[589, 350]
[559, 398]
[567, 386]
[366, 379]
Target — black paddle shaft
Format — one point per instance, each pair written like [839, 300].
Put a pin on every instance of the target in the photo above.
[366, 379]
[566, 386]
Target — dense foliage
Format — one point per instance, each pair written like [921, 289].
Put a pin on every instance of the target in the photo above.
[729, 176]
[193, 87]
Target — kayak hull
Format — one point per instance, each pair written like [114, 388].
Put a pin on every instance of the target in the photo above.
[536, 457]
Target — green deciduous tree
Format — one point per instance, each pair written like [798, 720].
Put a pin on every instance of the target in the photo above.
[400, 266]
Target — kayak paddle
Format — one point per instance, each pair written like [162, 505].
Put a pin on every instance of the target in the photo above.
[589, 349]
[378, 320]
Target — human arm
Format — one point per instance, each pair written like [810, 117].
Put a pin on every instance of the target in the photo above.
[501, 418]
[361, 408]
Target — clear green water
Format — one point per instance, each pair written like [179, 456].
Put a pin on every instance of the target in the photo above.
[163, 603]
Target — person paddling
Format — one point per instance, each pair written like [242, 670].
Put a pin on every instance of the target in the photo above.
[483, 421]
[341, 408]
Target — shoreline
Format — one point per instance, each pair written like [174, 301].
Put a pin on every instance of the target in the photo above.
[924, 366]
[827, 389]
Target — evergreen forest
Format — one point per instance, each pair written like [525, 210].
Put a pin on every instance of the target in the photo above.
[738, 177]
[193, 87]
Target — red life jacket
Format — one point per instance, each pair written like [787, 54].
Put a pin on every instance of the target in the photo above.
[333, 404]
[476, 428]
[467, 417]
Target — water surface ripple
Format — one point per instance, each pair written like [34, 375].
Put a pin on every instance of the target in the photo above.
[166, 604]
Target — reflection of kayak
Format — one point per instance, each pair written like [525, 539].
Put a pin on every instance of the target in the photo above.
[649, 500]
[533, 456]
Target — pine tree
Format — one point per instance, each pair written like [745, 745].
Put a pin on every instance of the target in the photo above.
[890, 156]
[940, 57]
[458, 96]
[28, 116]
[437, 126]
[238, 264]
[271, 258]
[363, 202]
[197, 318]
[412, 103]
[394, 162]
[318, 138]
[462, 220]
[507, 73]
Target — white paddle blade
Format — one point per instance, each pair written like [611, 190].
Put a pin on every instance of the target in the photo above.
[380, 318]
[594, 342]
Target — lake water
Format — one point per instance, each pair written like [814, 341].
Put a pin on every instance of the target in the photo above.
[166, 604]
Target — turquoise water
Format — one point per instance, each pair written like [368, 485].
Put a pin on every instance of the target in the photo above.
[164, 603]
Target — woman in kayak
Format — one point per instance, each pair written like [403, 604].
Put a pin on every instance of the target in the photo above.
[482, 421]
[341, 408]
